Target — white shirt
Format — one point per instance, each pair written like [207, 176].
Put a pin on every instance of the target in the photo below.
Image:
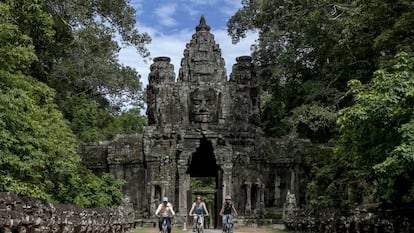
[165, 210]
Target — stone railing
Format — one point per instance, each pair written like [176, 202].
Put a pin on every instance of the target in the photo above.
[27, 214]
[377, 219]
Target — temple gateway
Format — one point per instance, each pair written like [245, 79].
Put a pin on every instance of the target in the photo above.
[204, 125]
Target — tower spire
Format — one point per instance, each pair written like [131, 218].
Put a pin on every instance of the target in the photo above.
[202, 61]
[202, 26]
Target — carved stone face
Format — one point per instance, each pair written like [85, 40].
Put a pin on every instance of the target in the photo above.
[203, 106]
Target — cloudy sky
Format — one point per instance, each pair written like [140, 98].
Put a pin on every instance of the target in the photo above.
[171, 23]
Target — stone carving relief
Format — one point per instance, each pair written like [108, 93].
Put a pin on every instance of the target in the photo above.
[204, 106]
[289, 207]
[242, 71]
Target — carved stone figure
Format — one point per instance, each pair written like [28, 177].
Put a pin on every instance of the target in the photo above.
[289, 207]
[203, 106]
[290, 199]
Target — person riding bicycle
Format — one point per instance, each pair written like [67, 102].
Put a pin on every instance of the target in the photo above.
[228, 211]
[198, 207]
[165, 211]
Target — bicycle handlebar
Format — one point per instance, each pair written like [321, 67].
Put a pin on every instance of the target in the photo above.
[205, 215]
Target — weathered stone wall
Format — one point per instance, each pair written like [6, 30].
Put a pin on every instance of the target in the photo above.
[26, 214]
[264, 172]
[122, 157]
[288, 167]
[94, 156]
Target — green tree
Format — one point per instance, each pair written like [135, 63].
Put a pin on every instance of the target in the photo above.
[37, 148]
[91, 123]
[88, 122]
[77, 47]
[89, 62]
[295, 41]
[203, 184]
[374, 155]
[307, 51]
[130, 122]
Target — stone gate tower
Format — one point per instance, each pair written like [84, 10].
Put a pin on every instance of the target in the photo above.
[203, 125]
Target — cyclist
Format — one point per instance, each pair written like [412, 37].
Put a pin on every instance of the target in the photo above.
[198, 207]
[165, 211]
[228, 211]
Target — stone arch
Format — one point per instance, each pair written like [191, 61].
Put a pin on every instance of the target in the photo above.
[203, 161]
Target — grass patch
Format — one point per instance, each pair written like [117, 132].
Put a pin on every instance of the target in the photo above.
[155, 230]
[257, 230]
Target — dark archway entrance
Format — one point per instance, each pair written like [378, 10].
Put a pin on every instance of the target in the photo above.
[205, 181]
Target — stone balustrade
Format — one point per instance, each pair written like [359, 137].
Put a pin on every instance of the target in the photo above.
[390, 220]
[27, 214]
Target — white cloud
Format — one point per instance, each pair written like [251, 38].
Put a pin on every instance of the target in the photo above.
[201, 2]
[230, 7]
[165, 14]
[173, 46]
[230, 51]
[137, 4]
[226, 7]
[191, 10]
[161, 45]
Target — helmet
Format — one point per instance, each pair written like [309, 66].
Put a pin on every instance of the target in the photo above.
[228, 197]
[165, 199]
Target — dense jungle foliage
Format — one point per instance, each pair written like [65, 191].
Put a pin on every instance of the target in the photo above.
[340, 73]
[61, 83]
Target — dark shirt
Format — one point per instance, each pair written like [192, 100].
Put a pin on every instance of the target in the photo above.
[227, 208]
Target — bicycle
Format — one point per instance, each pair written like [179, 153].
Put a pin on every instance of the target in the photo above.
[228, 226]
[199, 223]
[164, 225]
[164, 228]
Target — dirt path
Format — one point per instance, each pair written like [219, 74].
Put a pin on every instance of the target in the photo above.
[246, 230]
[237, 230]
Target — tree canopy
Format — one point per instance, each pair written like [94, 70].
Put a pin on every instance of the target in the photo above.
[37, 146]
[375, 146]
[307, 51]
[77, 45]
[328, 73]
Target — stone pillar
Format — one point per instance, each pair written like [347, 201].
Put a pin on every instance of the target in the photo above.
[182, 190]
[277, 191]
[227, 179]
[152, 200]
[292, 180]
[249, 198]
[169, 188]
[297, 183]
[261, 198]
[162, 191]
[257, 209]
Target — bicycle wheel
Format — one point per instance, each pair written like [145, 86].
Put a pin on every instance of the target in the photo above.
[226, 228]
[164, 226]
[200, 229]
